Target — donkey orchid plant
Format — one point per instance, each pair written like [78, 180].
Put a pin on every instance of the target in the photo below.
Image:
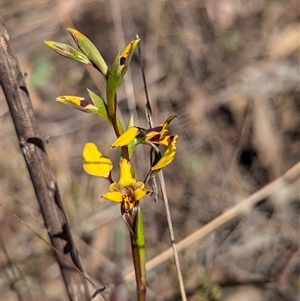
[127, 190]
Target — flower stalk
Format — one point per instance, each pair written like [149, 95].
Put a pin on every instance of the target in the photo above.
[127, 190]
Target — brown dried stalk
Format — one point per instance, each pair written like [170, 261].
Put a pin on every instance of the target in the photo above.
[33, 149]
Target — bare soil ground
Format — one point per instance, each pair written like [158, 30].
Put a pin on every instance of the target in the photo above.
[230, 71]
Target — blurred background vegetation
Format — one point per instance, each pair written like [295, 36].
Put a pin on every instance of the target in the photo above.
[230, 71]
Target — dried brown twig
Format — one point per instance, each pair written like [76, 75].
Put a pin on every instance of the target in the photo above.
[45, 186]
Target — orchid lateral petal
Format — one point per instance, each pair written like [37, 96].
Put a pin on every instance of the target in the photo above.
[80, 103]
[89, 49]
[94, 162]
[68, 51]
[113, 196]
[140, 193]
[168, 156]
[125, 138]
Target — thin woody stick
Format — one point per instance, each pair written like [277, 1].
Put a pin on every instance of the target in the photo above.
[148, 112]
[34, 152]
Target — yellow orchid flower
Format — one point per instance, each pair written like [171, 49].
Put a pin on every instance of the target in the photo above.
[160, 134]
[155, 135]
[127, 190]
[168, 156]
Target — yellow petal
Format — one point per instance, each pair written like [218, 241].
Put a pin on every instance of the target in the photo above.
[113, 196]
[140, 193]
[168, 156]
[125, 138]
[94, 162]
[166, 140]
[126, 178]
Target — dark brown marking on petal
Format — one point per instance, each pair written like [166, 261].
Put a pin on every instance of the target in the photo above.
[155, 129]
[85, 102]
[155, 138]
[122, 60]
[128, 198]
[170, 139]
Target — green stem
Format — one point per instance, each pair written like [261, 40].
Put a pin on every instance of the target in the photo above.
[113, 116]
[125, 152]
